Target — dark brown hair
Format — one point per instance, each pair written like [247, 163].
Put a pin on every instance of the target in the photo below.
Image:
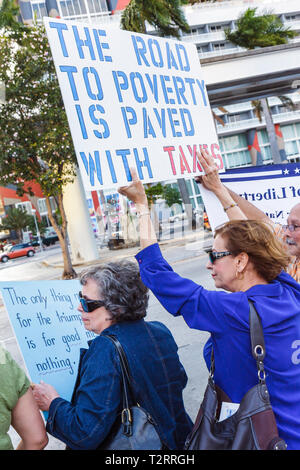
[256, 238]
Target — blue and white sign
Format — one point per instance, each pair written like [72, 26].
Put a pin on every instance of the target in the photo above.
[131, 100]
[274, 189]
[48, 328]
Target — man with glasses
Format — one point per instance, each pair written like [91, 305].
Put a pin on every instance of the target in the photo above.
[289, 233]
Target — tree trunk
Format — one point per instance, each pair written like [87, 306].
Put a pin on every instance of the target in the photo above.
[68, 272]
[271, 131]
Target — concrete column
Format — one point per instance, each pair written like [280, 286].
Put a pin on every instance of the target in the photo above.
[254, 148]
[280, 143]
[81, 236]
[271, 132]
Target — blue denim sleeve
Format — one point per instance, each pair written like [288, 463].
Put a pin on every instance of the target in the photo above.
[86, 423]
[201, 309]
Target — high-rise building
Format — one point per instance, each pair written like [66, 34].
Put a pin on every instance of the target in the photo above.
[241, 129]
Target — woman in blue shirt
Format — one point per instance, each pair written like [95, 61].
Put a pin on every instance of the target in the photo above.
[249, 262]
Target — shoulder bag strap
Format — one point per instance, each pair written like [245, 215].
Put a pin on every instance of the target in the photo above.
[126, 383]
[257, 341]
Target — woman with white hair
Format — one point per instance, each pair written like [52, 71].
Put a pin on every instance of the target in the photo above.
[114, 301]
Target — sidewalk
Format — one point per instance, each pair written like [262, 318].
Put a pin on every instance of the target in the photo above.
[192, 242]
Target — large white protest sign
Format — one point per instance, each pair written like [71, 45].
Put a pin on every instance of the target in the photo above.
[48, 329]
[274, 189]
[131, 100]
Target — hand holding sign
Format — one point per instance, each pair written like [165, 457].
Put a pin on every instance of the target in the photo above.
[44, 394]
[211, 179]
[135, 191]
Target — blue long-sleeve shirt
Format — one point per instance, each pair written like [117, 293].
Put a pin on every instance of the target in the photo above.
[226, 316]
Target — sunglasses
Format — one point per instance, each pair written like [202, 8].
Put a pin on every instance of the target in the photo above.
[291, 227]
[90, 305]
[213, 255]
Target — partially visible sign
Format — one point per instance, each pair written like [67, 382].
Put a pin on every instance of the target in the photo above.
[132, 100]
[274, 189]
[48, 328]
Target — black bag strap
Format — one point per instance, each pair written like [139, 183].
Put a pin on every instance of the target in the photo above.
[257, 341]
[126, 384]
[257, 344]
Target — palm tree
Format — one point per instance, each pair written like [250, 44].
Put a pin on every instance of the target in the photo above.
[166, 16]
[259, 30]
[262, 31]
[16, 219]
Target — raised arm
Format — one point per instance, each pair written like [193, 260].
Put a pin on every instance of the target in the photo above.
[136, 193]
[251, 212]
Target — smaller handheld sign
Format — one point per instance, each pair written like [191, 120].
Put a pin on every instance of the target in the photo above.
[274, 189]
[48, 328]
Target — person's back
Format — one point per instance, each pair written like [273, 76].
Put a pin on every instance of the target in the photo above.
[158, 376]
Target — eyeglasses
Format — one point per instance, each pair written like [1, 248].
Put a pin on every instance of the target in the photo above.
[90, 305]
[291, 227]
[213, 255]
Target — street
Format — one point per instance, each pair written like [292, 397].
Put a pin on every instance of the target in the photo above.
[189, 261]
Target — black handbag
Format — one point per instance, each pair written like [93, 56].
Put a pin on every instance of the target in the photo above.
[134, 428]
[253, 425]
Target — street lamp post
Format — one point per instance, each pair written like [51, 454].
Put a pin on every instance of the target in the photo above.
[37, 228]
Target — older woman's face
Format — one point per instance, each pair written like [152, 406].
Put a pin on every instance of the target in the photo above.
[293, 238]
[97, 320]
[223, 270]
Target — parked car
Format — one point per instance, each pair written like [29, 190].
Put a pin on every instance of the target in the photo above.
[177, 217]
[47, 240]
[15, 251]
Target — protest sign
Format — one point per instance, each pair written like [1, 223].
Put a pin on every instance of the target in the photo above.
[132, 100]
[48, 328]
[274, 189]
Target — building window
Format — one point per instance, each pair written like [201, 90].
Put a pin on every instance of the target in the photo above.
[25, 205]
[96, 6]
[219, 46]
[42, 208]
[39, 10]
[202, 48]
[214, 28]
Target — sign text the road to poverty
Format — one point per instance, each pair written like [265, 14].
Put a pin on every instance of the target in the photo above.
[131, 100]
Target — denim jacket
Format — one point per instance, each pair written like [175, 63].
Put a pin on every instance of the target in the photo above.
[158, 377]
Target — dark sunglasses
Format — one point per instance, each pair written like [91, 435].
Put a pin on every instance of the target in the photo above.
[291, 227]
[90, 305]
[213, 255]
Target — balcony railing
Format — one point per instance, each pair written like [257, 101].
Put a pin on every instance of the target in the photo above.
[205, 37]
